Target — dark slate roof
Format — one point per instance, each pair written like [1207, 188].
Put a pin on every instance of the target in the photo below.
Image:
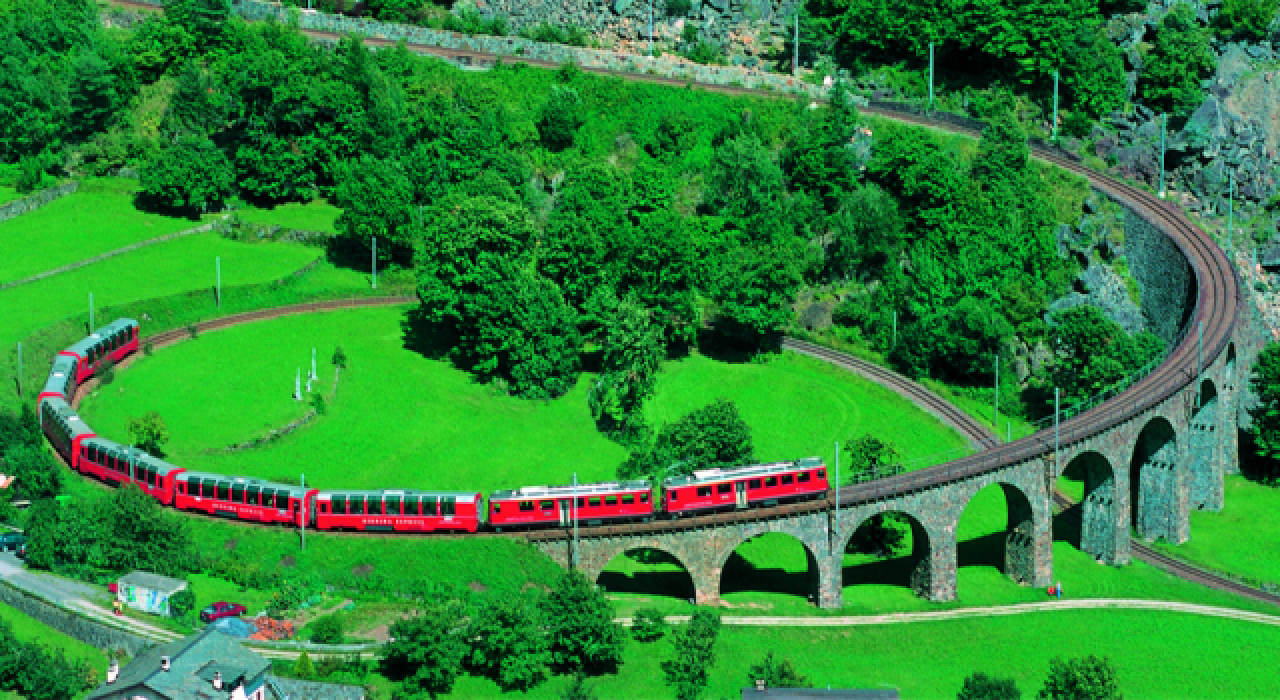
[828, 693]
[193, 661]
[294, 689]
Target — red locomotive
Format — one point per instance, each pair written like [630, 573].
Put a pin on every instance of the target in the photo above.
[398, 511]
[743, 487]
[112, 342]
[554, 505]
[115, 463]
[243, 498]
[64, 428]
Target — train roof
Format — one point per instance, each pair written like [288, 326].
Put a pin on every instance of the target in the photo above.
[249, 481]
[580, 489]
[136, 455]
[68, 416]
[63, 371]
[462, 496]
[713, 475]
[81, 348]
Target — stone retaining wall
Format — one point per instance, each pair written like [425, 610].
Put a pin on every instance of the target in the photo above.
[95, 634]
[18, 207]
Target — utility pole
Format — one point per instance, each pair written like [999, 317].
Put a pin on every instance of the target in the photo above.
[893, 339]
[837, 479]
[1054, 138]
[1164, 123]
[375, 262]
[650, 28]
[1199, 363]
[1231, 207]
[995, 406]
[302, 523]
[90, 312]
[573, 506]
[931, 75]
[217, 266]
[19, 369]
[795, 60]
[1056, 411]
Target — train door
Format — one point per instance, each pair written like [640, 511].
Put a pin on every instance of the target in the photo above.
[565, 516]
[740, 494]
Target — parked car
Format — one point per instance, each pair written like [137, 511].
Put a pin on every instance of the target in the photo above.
[218, 611]
[22, 551]
[10, 541]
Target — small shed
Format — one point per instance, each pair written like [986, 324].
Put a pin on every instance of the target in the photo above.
[148, 592]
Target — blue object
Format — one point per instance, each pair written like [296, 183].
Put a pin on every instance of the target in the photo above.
[235, 627]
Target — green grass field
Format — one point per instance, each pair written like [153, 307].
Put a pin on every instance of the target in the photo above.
[98, 217]
[425, 424]
[1243, 539]
[316, 215]
[28, 629]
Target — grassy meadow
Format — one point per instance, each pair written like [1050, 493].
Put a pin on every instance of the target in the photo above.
[28, 629]
[1218, 540]
[425, 424]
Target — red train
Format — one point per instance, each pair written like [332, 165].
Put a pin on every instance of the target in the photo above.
[260, 501]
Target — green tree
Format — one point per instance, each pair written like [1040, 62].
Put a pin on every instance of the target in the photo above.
[1092, 352]
[510, 646]
[195, 107]
[560, 118]
[657, 266]
[1179, 60]
[755, 290]
[980, 686]
[866, 231]
[37, 475]
[714, 436]
[138, 534]
[1089, 677]
[191, 175]
[776, 672]
[579, 621]
[694, 653]
[868, 453]
[648, 625]
[42, 532]
[819, 157]
[93, 92]
[1093, 74]
[1265, 383]
[183, 602]
[148, 432]
[303, 668]
[426, 652]
[1246, 20]
[676, 135]
[517, 326]
[632, 355]
[743, 179]
[375, 196]
[578, 689]
[201, 19]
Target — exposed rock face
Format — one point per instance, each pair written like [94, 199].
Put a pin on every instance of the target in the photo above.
[1106, 290]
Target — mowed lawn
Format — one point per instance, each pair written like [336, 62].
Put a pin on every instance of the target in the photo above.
[1244, 538]
[98, 217]
[168, 268]
[316, 215]
[399, 420]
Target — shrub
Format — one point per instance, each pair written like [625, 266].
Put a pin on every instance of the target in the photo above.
[678, 8]
[303, 668]
[980, 686]
[318, 403]
[182, 603]
[30, 175]
[328, 630]
[339, 357]
[648, 625]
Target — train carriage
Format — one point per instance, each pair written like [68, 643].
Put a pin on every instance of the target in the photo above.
[111, 342]
[121, 464]
[534, 506]
[243, 498]
[61, 382]
[64, 428]
[399, 511]
[744, 487]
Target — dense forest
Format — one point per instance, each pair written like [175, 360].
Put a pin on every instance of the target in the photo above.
[560, 222]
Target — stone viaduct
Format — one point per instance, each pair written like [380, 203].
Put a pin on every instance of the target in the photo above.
[1146, 457]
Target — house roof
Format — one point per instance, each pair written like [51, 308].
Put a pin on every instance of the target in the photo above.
[154, 582]
[193, 662]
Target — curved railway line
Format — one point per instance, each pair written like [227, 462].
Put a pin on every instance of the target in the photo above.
[1218, 304]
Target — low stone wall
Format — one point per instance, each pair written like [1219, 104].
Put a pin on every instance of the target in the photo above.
[95, 634]
[664, 66]
[18, 207]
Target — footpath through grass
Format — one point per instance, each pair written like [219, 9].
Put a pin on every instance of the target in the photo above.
[400, 420]
[96, 218]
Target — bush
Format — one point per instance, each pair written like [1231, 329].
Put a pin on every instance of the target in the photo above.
[30, 175]
[191, 176]
[318, 403]
[182, 603]
[339, 357]
[980, 686]
[678, 8]
[560, 118]
[648, 625]
[706, 53]
[328, 630]
[851, 313]
[1090, 677]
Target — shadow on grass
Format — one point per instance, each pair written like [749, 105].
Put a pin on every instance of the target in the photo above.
[674, 584]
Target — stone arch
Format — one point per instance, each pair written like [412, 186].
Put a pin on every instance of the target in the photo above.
[653, 574]
[808, 584]
[1020, 535]
[919, 562]
[1153, 482]
[1100, 524]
